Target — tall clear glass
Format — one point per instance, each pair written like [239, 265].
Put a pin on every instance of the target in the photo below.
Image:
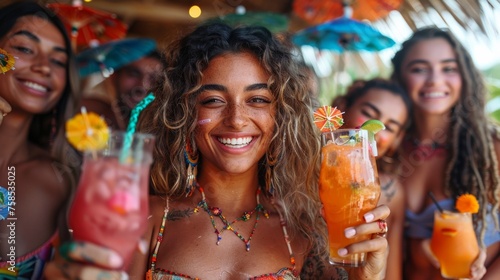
[111, 203]
[349, 187]
[454, 243]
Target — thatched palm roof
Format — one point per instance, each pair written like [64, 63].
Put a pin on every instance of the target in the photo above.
[167, 19]
[470, 14]
[156, 17]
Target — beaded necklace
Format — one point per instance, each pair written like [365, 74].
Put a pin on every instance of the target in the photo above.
[217, 212]
[430, 150]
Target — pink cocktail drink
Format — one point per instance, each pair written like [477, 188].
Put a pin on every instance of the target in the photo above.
[110, 208]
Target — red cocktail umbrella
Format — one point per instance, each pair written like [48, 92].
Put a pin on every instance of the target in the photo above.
[86, 24]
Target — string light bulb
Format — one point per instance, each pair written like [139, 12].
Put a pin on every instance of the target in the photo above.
[195, 11]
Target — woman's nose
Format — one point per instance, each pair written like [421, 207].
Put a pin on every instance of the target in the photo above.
[236, 115]
[41, 65]
[435, 77]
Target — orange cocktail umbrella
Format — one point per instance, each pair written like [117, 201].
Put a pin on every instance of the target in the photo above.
[328, 118]
[319, 11]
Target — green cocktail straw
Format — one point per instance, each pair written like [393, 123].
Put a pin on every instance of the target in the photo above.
[134, 117]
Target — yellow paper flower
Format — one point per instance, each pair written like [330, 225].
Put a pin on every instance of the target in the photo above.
[467, 203]
[87, 131]
[7, 61]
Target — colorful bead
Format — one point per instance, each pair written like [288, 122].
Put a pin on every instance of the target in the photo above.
[247, 216]
[259, 209]
[216, 211]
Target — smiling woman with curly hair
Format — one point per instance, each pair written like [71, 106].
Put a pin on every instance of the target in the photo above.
[235, 172]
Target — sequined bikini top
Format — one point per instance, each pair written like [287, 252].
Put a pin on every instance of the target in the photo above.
[155, 273]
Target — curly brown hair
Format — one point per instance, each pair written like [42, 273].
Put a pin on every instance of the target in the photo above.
[293, 153]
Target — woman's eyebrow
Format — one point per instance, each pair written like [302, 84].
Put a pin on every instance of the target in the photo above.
[28, 34]
[368, 104]
[214, 87]
[34, 38]
[419, 61]
[377, 111]
[217, 87]
[256, 87]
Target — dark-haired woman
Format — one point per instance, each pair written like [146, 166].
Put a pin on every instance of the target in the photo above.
[451, 148]
[37, 167]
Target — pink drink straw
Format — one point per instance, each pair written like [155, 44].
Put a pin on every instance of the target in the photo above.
[134, 117]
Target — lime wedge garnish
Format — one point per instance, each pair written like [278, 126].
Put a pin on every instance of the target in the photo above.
[373, 127]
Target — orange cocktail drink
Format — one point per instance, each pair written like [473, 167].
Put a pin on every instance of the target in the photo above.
[454, 243]
[349, 188]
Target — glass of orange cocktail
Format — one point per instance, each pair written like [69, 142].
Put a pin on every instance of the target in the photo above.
[348, 187]
[454, 243]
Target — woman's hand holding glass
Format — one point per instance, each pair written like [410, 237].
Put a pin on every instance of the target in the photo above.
[477, 269]
[81, 260]
[376, 248]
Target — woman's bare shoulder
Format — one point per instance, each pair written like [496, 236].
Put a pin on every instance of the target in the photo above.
[43, 171]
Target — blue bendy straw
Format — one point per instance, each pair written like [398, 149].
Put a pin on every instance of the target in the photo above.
[134, 117]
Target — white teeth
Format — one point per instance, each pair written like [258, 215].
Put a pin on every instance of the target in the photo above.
[236, 142]
[435, 94]
[35, 86]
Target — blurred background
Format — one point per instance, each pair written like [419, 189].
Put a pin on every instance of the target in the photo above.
[475, 22]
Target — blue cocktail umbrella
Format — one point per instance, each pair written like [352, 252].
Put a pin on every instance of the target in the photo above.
[109, 56]
[343, 34]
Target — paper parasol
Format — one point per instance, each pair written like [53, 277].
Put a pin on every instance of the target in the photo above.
[85, 24]
[319, 11]
[327, 118]
[7, 61]
[108, 57]
[343, 34]
[87, 131]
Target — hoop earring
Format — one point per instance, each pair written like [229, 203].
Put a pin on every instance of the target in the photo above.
[191, 158]
[269, 177]
[271, 161]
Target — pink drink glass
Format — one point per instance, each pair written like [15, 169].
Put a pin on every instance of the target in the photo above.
[110, 208]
